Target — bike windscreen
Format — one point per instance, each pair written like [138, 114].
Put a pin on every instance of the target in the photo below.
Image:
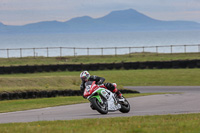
[88, 83]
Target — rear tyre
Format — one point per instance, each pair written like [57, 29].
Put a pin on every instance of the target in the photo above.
[125, 106]
[100, 107]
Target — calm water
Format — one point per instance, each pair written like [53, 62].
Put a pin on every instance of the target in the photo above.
[97, 40]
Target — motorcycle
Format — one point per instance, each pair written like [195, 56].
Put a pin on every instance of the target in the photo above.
[103, 100]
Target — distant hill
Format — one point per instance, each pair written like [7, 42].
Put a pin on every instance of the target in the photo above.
[116, 21]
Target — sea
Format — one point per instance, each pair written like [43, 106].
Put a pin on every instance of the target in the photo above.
[110, 43]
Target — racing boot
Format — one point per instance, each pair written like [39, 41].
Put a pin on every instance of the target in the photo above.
[119, 94]
[113, 87]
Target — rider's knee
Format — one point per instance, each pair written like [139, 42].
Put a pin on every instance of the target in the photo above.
[110, 86]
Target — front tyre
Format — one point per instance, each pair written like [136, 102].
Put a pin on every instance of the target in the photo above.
[100, 107]
[125, 106]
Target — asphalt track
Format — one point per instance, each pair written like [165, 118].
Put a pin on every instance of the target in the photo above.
[188, 101]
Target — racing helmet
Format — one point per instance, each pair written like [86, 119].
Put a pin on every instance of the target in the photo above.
[85, 76]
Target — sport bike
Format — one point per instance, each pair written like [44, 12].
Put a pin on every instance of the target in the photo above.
[103, 100]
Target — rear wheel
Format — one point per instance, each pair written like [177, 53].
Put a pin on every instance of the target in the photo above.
[100, 107]
[125, 106]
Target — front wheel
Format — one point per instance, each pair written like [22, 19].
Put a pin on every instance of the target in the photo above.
[100, 107]
[125, 107]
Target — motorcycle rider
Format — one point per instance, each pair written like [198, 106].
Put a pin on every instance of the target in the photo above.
[85, 76]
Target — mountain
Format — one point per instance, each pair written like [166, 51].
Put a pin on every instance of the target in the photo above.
[1, 24]
[126, 17]
[116, 21]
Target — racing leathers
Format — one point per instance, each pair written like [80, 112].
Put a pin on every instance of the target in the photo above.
[100, 80]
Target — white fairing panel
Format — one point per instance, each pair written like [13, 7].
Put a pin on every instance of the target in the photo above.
[112, 102]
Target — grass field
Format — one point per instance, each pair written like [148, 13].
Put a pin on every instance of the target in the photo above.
[71, 80]
[27, 104]
[184, 123]
[97, 59]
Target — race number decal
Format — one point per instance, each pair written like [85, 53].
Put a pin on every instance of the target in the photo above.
[105, 94]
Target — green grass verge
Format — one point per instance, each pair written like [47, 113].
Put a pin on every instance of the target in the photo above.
[96, 59]
[27, 104]
[184, 123]
[71, 80]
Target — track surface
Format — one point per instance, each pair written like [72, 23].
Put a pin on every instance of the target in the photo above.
[186, 102]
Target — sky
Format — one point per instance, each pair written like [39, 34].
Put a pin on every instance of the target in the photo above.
[21, 12]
